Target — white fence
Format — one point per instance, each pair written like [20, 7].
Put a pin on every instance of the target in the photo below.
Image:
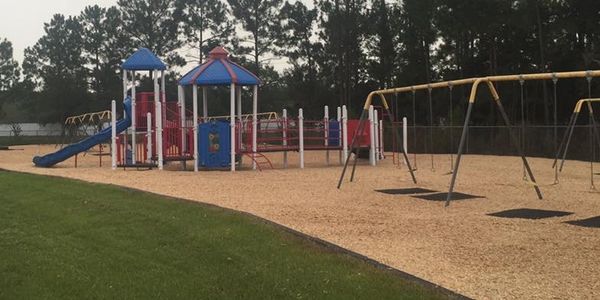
[31, 129]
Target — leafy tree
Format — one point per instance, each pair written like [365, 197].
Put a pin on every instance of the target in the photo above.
[261, 18]
[342, 34]
[105, 46]
[9, 68]
[297, 35]
[9, 72]
[56, 65]
[380, 45]
[207, 24]
[156, 25]
[419, 34]
[298, 45]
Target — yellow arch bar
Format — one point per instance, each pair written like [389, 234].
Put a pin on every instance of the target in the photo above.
[477, 81]
[580, 103]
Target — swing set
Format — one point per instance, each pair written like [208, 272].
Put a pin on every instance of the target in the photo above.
[594, 135]
[489, 82]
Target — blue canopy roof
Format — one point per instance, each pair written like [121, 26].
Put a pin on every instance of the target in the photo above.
[143, 60]
[219, 70]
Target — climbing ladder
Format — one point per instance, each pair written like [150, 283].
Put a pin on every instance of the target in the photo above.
[260, 160]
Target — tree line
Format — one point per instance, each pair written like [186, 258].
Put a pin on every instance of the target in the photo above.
[336, 51]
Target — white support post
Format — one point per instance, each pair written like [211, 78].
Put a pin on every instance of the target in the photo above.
[239, 116]
[232, 126]
[163, 112]
[405, 134]
[148, 137]
[284, 133]
[254, 123]
[125, 83]
[204, 104]
[345, 133]
[301, 137]
[326, 134]
[381, 145]
[372, 136]
[195, 130]
[181, 104]
[158, 121]
[163, 90]
[133, 120]
[339, 120]
[376, 130]
[113, 122]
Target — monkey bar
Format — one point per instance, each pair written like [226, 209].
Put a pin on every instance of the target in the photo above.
[101, 116]
[475, 82]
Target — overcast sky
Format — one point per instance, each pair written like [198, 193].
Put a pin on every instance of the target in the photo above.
[22, 21]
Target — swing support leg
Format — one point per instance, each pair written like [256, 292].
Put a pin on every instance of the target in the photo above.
[514, 138]
[354, 147]
[461, 147]
[594, 135]
[571, 129]
[359, 130]
[402, 149]
[564, 139]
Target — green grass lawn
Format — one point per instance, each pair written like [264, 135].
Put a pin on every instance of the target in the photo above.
[68, 239]
[32, 140]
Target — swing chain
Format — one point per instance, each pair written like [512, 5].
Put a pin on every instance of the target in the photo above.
[588, 76]
[554, 84]
[522, 85]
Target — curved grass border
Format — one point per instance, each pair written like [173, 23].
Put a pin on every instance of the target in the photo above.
[317, 241]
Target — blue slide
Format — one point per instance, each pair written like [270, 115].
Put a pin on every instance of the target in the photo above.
[63, 154]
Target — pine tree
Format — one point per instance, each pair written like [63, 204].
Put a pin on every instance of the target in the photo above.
[9, 73]
[342, 33]
[104, 48]
[57, 66]
[381, 44]
[156, 25]
[207, 24]
[261, 18]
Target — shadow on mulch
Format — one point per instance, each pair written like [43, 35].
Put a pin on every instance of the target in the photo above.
[530, 214]
[4, 148]
[407, 191]
[442, 197]
[589, 223]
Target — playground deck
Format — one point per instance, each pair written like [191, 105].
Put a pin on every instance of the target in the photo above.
[461, 248]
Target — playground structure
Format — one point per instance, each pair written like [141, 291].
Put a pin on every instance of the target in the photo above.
[159, 131]
[222, 141]
[475, 83]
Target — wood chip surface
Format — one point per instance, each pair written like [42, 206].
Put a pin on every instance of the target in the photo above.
[460, 247]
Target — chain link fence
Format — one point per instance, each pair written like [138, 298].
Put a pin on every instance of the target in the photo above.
[538, 141]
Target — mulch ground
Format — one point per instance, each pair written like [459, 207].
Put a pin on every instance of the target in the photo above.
[459, 247]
